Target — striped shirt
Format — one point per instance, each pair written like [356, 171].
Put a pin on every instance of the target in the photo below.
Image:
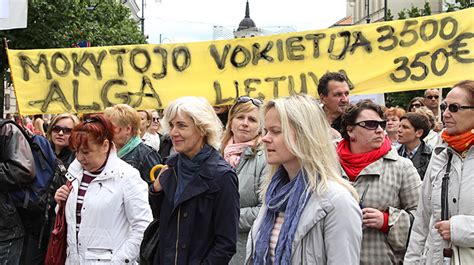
[275, 234]
[87, 178]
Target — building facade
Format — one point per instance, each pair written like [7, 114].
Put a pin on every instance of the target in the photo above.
[374, 10]
[133, 5]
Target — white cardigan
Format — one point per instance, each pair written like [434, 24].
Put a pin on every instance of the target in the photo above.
[114, 215]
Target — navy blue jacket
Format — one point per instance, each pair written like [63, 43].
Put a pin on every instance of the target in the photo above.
[202, 227]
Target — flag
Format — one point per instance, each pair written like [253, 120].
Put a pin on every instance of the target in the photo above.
[13, 14]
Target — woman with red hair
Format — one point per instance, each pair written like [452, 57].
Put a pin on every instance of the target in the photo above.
[107, 208]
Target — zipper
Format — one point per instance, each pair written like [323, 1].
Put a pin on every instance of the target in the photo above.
[251, 249]
[177, 227]
[177, 238]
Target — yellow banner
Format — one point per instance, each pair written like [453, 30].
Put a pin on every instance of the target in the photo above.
[426, 52]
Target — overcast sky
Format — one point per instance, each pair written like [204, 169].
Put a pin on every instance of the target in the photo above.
[194, 20]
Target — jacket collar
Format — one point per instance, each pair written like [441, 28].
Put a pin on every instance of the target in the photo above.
[248, 154]
[197, 186]
[424, 149]
[443, 146]
[376, 167]
[76, 170]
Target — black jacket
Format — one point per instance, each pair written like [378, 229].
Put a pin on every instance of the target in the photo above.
[202, 227]
[17, 170]
[421, 158]
[165, 146]
[143, 158]
[66, 156]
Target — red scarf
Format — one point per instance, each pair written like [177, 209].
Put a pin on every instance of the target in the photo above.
[354, 163]
[459, 142]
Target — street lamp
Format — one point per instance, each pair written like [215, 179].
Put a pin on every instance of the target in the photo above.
[367, 8]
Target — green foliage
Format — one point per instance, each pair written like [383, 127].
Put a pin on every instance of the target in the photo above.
[401, 99]
[414, 11]
[389, 15]
[401, 14]
[458, 5]
[61, 24]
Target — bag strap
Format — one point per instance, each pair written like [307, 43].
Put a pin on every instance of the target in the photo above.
[51, 184]
[22, 130]
[444, 188]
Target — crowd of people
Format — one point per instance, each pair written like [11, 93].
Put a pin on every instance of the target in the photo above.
[292, 180]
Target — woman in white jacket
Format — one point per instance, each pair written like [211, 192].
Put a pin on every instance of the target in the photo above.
[431, 231]
[107, 209]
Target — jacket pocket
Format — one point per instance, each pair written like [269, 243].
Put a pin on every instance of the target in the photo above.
[424, 254]
[99, 254]
[10, 217]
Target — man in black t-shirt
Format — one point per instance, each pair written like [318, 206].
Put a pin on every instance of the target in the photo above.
[333, 90]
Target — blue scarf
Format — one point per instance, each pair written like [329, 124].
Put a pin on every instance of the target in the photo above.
[285, 196]
[188, 168]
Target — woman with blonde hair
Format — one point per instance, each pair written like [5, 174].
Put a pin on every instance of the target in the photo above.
[152, 135]
[243, 149]
[310, 214]
[196, 195]
[58, 135]
[130, 148]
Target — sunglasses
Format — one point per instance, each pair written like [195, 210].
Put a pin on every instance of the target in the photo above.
[432, 97]
[372, 124]
[57, 129]
[245, 99]
[155, 119]
[453, 107]
[416, 105]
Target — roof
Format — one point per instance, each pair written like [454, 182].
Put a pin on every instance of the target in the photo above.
[247, 22]
[346, 21]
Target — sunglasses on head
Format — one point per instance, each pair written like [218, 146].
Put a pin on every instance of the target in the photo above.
[245, 99]
[453, 107]
[372, 124]
[432, 97]
[57, 129]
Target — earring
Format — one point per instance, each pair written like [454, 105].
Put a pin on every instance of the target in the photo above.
[353, 139]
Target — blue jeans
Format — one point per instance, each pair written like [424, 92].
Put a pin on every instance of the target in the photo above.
[10, 251]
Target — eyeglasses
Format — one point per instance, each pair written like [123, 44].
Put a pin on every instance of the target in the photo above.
[155, 119]
[415, 105]
[432, 97]
[453, 107]
[372, 124]
[57, 129]
[245, 99]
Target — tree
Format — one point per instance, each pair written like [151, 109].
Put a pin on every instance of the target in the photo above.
[62, 24]
[458, 5]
